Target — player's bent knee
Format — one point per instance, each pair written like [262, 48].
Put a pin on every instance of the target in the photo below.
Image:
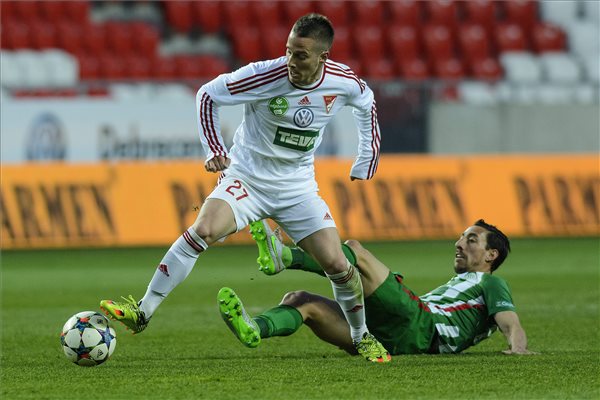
[296, 298]
[354, 245]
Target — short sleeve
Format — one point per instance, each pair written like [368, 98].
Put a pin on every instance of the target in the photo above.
[497, 295]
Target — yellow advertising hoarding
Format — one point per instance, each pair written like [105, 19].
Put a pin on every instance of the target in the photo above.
[411, 197]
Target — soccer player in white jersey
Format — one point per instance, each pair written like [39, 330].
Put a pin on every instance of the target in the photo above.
[449, 319]
[269, 172]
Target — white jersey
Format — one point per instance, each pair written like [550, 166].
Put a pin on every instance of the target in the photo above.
[284, 123]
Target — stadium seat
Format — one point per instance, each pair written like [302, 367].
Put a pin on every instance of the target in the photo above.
[442, 12]
[380, 69]
[292, 10]
[274, 47]
[547, 38]
[26, 11]
[208, 16]
[52, 11]
[510, 37]
[369, 42]
[69, 37]
[367, 13]
[188, 67]
[415, 69]
[61, 67]
[562, 13]
[583, 39]
[7, 12]
[15, 36]
[487, 69]
[403, 41]
[43, 35]
[560, 68]
[555, 94]
[521, 12]
[213, 66]
[342, 45]
[12, 74]
[449, 68]
[145, 38]
[89, 67]
[336, 11]
[406, 12]
[477, 93]
[521, 68]
[247, 43]
[267, 13]
[178, 15]
[119, 38]
[138, 67]
[237, 14]
[94, 39]
[591, 66]
[438, 41]
[474, 41]
[35, 74]
[112, 67]
[78, 11]
[482, 12]
[164, 68]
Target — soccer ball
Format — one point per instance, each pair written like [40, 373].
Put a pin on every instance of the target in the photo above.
[87, 339]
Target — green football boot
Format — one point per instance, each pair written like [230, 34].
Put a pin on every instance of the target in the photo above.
[271, 251]
[372, 350]
[127, 312]
[237, 319]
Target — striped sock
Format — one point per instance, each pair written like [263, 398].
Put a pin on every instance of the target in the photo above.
[172, 270]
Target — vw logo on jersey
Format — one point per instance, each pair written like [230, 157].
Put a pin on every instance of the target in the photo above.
[303, 117]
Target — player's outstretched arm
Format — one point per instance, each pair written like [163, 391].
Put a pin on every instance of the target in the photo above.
[509, 324]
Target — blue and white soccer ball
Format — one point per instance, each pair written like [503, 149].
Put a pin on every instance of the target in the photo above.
[88, 339]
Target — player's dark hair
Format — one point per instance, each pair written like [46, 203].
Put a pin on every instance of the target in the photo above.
[495, 240]
[315, 26]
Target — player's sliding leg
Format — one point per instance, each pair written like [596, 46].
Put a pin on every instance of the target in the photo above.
[237, 319]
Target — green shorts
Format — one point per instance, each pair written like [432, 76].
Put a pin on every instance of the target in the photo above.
[397, 318]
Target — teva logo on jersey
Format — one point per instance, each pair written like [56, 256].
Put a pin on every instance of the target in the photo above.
[278, 106]
[329, 100]
[304, 102]
[295, 139]
[303, 117]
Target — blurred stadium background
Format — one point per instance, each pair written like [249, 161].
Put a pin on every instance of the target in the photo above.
[99, 128]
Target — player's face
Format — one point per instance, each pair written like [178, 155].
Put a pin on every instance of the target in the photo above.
[471, 254]
[305, 57]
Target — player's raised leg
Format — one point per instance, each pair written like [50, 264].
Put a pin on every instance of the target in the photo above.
[214, 221]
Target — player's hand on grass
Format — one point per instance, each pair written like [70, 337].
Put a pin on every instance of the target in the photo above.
[217, 164]
[524, 352]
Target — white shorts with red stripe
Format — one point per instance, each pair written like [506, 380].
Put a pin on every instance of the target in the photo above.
[299, 216]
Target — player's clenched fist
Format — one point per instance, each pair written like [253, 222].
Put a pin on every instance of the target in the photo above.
[217, 163]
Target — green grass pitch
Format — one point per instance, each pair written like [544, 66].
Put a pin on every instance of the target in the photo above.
[188, 353]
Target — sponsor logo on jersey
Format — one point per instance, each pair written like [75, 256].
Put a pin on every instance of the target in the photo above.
[295, 138]
[504, 303]
[303, 117]
[164, 269]
[329, 100]
[278, 106]
[304, 102]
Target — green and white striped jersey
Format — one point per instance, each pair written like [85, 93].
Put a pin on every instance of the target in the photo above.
[463, 309]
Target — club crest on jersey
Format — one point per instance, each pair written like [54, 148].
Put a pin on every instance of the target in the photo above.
[303, 117]
[329, 100]
[278, 106]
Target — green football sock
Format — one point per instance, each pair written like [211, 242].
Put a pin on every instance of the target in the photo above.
[282, 320]
[301, 260]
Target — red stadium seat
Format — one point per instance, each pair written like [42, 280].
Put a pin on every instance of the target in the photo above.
[164, 68]
[367, 13]
[379, 69]
[403, 42]
[438, 41]
[292, 10]
[548, 37]
[7, 13]
[138, 67]
[179, 15]
[78, 11]
[369, 42]
[482, 12]
[208, 15]
[119, 38]
[237, 14]
[247, 43]
[52, 11]
[213, 66]
[43, 35]
[474, 41]
[94, 39]
[89, 67]
[449, 68]
[277, 36]
[406, 12]
[145, 38]
[267, 13]
[486, 69]
[112, 67]
[415, 69]
[521, 12]
[69, 37]
[336, 11]
[27, 11]
[355, 65]
[510, 37]
[441, 12]
[342, 45]
[15, 36]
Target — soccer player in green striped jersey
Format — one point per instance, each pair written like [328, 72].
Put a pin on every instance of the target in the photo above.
[449, 319]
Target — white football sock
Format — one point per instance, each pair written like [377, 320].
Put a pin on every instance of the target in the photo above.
[172, 270]
[348, 292]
